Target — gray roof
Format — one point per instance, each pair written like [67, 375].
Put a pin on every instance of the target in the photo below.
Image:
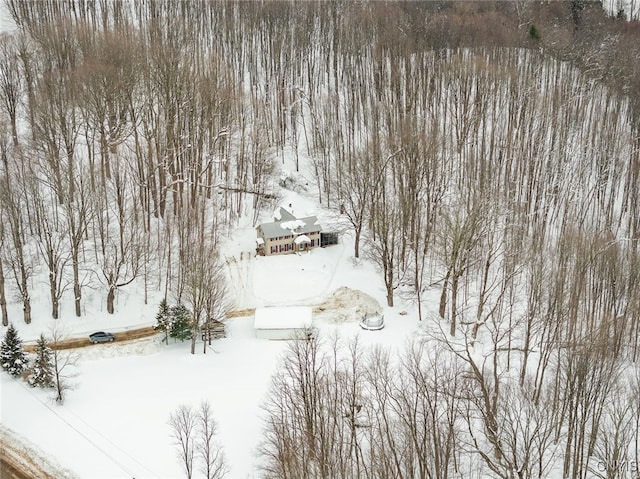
[291, 227]
[283, 215]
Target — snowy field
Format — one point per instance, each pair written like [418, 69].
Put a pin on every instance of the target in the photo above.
[114, 422]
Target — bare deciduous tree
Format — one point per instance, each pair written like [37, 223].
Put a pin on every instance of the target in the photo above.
[13, 203]
[386, 239]
[183, 425]
[3, 297]
[51, 236]
[194, 434]
[354, 192]
[10, 82]
[204, 281]
[64, 361]
[336, 411]
[210, 452]
[120, 252]
[460, 236]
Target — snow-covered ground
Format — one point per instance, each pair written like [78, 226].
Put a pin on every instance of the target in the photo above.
[6, 23]
[114, 421]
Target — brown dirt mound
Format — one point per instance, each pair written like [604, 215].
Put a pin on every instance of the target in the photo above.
[346, 304]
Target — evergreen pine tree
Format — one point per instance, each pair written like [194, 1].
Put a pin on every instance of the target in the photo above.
[181, 318]
[42, 369]
[534, 33]
[164, 320]
[12, 355]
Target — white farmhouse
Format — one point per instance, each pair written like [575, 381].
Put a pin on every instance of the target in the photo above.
[287, 234]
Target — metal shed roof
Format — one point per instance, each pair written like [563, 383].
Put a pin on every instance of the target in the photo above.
[291, 317]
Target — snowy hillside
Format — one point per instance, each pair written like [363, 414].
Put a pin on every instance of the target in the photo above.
[478, 161]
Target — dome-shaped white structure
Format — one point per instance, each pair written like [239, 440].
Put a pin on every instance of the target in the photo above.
[372, 323]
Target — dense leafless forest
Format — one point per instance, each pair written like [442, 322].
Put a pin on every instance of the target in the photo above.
[489, 151]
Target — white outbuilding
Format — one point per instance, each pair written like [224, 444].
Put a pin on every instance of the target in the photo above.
[291, 322]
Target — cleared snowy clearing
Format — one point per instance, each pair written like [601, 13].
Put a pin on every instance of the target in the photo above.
[114, 422]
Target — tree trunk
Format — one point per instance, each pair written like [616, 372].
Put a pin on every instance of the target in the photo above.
[55, 308]
[14, 130]
[388, 279]
[111, 295]
[526, 347]
[77, 293]
[25, 298]
[206, 331]
[3, 299]
[443, 295]
[59, 386]
[454, 299]
[417, 277]
[54, 296]
[390, 297]
[194, 331]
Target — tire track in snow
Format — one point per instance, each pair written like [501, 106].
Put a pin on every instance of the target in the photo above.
[114, 454]
[240, 275]
[333, 263]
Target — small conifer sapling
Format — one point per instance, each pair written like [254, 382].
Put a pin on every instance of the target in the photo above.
[42, 371]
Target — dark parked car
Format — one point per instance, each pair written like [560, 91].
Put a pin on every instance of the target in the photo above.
[101, 337]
